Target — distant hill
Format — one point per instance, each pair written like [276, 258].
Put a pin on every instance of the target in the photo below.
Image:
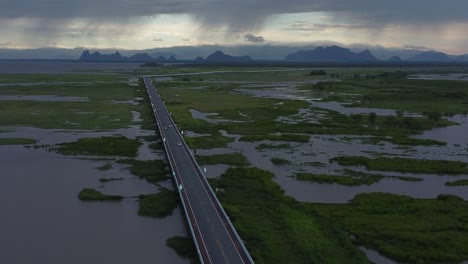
[330, 54]
[219, 56]
[462, 58]
[115, 57]
[430, 56]
[141, 57]
[395, 59]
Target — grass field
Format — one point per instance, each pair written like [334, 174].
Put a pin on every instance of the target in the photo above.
[392, 90]
[158, 205]
[278, 229]
[99, 110]
[102, 146]
[405, 229]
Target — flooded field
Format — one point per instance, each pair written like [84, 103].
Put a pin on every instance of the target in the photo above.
[39, 187]
[322, 148]
[445, 77]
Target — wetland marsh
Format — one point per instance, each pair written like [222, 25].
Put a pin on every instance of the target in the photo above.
[312, 159]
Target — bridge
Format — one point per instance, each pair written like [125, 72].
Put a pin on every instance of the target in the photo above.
[214, 235]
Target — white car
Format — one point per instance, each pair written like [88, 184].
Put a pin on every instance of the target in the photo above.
[179, 144]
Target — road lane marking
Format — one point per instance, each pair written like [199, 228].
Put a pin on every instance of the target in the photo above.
[222, 251]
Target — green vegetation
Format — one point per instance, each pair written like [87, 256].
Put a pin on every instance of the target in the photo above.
[280, 161]
[364, 179]
[350, 178]
[394, 91]
[318, 73]
[233, 159]
[315, 164]
[270, 146]
[96, 108]
[409, 179]
[255, 116]
[156, 146]
[184, 247]
[405, 229]
[89, 194]
[153, 171]
[283, 137]
[105, 167]
[158, 205]
[277, 228]
[17, 141]
[102, 146]
[458, 183]
[110, 179]
[405, 165]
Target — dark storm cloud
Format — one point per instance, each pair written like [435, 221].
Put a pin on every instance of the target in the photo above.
[253, 38]
[241, 15]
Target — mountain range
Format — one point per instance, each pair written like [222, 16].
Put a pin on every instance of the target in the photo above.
[309, 53]
[331, 54]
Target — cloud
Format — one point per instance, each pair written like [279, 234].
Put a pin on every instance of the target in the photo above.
[306, 26]
[416, 47]
[158, 39]
[240, 14]
[55, 20]
[253, 38]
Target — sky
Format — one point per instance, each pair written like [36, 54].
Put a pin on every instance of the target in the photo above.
[144, 24]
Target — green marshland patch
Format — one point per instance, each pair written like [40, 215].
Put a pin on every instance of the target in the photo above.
[101, 146]
[159, 204]
[89, 194]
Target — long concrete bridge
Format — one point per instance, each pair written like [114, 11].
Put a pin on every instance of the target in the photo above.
[214, 235]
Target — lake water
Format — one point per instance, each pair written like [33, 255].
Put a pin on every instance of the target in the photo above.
[44, 222]
[62, 66]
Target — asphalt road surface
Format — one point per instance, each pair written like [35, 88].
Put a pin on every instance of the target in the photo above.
[213, 233]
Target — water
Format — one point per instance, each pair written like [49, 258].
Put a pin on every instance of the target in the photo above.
[445, 77]
[44, 222]
[62, 67]
[455, 135]
[207, 117]
[375, 257]
[325, 147]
